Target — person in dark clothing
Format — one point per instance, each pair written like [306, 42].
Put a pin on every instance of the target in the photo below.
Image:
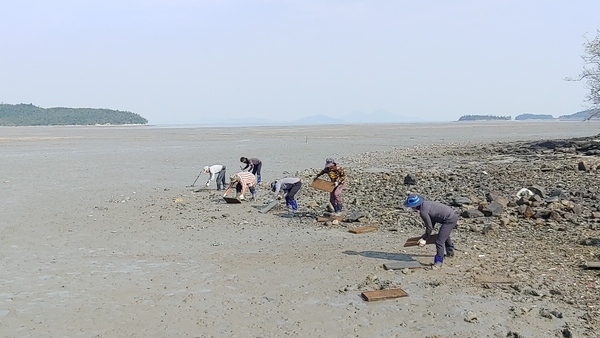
[253, 165]
[337, 175]
[289, 186]
[432, 213]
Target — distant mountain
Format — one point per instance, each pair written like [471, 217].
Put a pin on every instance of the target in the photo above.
[579, 116]
[318, 119]
[534, 117]
[378, 116]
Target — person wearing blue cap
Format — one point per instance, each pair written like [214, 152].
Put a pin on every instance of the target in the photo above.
[432, 213]
[289, 186]
[337, 176]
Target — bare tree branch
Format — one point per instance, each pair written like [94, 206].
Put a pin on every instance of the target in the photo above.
[591, 73]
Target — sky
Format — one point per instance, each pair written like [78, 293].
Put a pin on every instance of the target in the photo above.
[188, 62]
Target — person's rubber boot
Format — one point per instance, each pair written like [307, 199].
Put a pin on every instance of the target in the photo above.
[338, 209]
[438, 261]
[450, 251]
[294, 204]
[288, 202]
[258, 179]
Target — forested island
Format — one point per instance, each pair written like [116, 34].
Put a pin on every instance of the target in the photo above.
[30, 115]
[483, 118]
[527, 116]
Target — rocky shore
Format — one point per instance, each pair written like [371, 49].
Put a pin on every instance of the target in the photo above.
[530, 212]
[530, 216]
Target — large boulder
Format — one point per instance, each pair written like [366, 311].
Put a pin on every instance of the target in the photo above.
[493, 209]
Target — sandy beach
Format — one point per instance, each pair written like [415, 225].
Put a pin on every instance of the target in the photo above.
[102, 236]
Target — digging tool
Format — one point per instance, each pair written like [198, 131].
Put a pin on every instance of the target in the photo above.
[197, 177]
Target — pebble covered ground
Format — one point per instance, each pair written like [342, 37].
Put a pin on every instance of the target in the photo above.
[531, 245]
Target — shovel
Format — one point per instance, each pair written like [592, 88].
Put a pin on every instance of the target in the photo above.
[197, 177]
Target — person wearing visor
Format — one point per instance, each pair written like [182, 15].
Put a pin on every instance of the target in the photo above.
[432, 213]
[337, 176]
[289, 186]
[242, 181]
[215, 171]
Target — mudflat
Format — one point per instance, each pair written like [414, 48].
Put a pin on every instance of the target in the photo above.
[101, 236]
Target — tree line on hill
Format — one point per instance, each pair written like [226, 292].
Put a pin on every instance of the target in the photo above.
[30, 115]
[579, 116]
[483, 117]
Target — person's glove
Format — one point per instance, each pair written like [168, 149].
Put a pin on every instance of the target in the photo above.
[224, 195]
[422, 242]
[207, 184]
[335, 184]
[241, 197]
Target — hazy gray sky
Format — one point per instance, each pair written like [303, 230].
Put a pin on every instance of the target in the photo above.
[180, 61]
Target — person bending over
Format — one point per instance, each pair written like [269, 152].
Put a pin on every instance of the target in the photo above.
[253, 165]
[242, 181]
[289, 186]
[432, 213]
[217, 171]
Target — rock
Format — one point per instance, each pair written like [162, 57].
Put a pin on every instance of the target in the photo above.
[490, 228]
[555, 215]
[538, 190]
[497, 196]
[471, 317]
[461, 200]
[493, 209]
[590, 241]
[583, 166]
[472, 213]
[410, 179]
[557, 193]
[312, 204]
[545, 313]
[542, 213]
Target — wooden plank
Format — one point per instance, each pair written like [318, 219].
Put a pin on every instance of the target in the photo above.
[232, 200]
[415, 240]
[592, 265]
[399, 265]
[328, 218]
[362, 230]
[268, 207]
[370, 296]
[322, 185]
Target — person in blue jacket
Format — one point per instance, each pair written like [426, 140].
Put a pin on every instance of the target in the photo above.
[432, 213]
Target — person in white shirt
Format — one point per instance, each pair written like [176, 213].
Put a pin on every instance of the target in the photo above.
[289, 186]
[217, 171]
